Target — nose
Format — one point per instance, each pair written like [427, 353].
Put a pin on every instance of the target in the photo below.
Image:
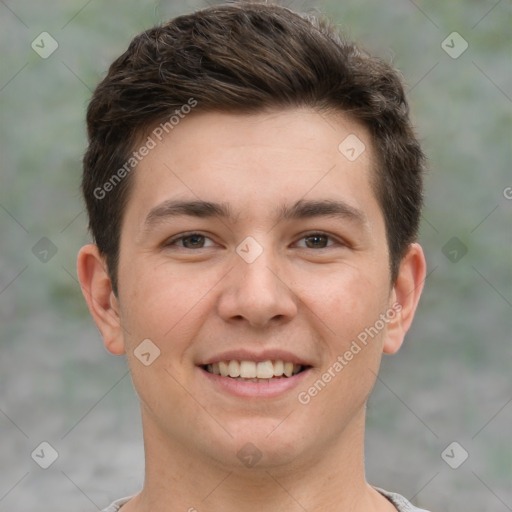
[257, 293]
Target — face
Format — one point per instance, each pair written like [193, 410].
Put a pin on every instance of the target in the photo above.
[252, 246]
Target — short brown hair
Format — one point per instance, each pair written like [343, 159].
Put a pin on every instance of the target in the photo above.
[248, 57]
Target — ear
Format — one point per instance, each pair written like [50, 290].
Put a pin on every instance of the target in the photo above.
[103, 305]
[405, 296]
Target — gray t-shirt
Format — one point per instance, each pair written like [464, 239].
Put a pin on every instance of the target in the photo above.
[401, 504]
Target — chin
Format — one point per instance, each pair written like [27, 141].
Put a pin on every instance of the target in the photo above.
[260, 443]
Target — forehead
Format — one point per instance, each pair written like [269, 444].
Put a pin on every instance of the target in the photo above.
[256, 163]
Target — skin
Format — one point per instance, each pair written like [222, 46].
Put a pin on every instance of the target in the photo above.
[297, 295]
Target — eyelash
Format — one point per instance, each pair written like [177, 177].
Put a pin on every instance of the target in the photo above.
[178, 238]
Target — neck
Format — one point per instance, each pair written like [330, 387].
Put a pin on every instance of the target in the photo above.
[177, 479]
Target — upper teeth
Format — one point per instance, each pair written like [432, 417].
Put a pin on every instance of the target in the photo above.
[253, 370]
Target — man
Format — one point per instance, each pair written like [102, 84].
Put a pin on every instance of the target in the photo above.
[254, 188]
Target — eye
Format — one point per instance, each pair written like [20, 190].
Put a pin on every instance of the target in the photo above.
[199, 241]
[190, 241]
[317, 241]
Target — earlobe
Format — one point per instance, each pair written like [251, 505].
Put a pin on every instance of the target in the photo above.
[405, 296]
[97, 290]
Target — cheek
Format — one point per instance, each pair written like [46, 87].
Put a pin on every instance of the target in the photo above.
[165, 305]
[167, 308]
[346, 302]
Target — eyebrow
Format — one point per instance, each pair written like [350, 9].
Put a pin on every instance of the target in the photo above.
[302, 209]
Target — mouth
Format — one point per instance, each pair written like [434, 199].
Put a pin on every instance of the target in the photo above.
[255, 371]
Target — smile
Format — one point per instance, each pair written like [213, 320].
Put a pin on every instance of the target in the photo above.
[252, 371]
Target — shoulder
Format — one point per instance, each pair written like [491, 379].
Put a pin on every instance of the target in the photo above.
[114, 507]
[402, 504]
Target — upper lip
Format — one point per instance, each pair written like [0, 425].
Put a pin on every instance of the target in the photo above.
[256, 356]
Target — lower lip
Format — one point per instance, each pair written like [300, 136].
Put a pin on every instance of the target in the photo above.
[270, 389]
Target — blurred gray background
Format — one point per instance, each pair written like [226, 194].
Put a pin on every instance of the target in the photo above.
[451, 382]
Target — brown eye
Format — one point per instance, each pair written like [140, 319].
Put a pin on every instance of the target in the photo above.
[316, 241]
[191, 241]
